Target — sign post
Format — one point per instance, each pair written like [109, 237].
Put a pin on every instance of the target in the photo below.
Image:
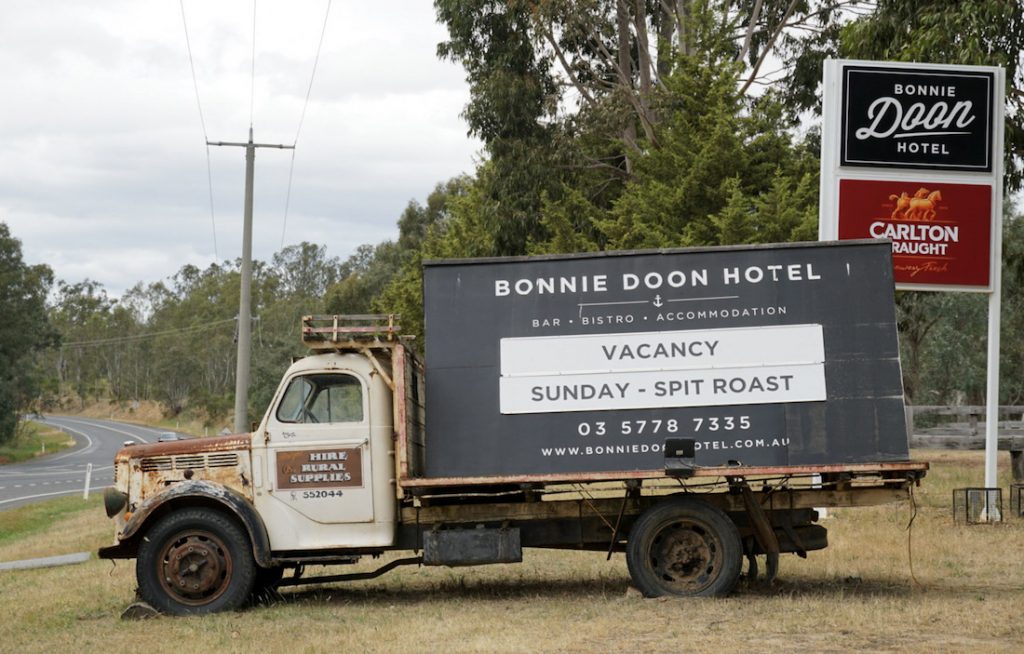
[913, 153]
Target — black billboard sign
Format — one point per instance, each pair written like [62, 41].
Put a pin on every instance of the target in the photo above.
[764, 355]
[917, 118]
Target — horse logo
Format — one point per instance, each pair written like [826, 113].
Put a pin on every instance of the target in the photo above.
[920, 208]
[902, 204]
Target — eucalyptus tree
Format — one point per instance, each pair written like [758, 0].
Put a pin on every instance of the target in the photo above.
[24, 329]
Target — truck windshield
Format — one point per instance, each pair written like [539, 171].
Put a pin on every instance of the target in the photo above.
[322, 398]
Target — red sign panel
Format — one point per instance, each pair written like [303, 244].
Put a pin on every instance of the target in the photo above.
[941, 233]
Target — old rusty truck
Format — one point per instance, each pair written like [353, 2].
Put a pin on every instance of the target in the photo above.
[688, 408]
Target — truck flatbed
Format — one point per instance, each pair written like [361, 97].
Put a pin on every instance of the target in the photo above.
[893, 470]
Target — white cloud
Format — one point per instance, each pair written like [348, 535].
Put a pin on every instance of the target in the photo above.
[102, 165]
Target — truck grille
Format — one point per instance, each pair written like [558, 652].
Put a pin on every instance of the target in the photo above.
[189, 461]
[221, 460]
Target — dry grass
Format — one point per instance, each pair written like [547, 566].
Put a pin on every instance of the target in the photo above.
[858, 595]
[151, 414]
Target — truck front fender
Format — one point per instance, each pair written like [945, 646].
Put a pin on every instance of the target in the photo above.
[192, 493]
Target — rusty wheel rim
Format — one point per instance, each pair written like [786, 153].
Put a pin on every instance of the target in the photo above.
[685, 557]
[195, 567]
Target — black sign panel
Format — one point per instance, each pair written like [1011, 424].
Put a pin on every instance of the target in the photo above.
[765, 355]
[916, 118]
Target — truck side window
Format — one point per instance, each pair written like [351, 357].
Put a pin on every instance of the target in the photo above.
[322, 399]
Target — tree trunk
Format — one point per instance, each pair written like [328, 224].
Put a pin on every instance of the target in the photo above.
[683, 15]
[626, 70]
[666, 30]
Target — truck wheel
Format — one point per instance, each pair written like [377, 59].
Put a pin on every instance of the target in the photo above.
[684, 547]
[195, 561]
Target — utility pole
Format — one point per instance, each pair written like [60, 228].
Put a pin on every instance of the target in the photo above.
[245, 294]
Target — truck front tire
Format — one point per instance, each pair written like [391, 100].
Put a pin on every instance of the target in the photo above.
[195, 561]
[684, 547]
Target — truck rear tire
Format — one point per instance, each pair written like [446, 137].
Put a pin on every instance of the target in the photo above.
[195, 561]
[684, 547]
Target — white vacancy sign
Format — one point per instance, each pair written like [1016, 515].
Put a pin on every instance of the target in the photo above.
[716, 367]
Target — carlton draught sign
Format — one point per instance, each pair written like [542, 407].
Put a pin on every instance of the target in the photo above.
[940, 232]
[782, 355]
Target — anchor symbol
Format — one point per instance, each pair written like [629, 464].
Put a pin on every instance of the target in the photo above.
[657, 301]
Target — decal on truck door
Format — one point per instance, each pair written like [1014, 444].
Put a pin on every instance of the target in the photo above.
[334, 468]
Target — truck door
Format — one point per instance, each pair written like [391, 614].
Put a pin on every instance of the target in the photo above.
[318, 448]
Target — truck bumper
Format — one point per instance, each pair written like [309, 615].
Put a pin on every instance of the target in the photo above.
[118, 551]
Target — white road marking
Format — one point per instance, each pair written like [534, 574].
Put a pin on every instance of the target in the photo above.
[88, 447]
[103, 426]
[49, 473]
[64, 469]
[99, 422]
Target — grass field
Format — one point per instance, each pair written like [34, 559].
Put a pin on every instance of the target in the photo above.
[857, 595]
[31, 440]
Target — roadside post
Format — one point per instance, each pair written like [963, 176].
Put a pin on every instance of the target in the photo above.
[88, 480]
[913, 153]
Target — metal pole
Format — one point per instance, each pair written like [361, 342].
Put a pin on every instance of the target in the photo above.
[245, 300]
[995, 298]
[245, 293]
[992, 392]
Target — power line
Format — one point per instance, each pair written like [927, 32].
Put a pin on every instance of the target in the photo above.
[252, 77]
[191, 65]
[136, 337]
[312, 76]
[302, 119]
[202, 124]
[287, 197]
[209, 185]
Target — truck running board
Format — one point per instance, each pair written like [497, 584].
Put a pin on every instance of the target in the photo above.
[352, 576]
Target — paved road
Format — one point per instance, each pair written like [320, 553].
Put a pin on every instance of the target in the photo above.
[63, 473]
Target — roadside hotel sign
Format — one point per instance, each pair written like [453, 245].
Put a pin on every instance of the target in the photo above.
[913, 153]
[917, 118]
[763, 355]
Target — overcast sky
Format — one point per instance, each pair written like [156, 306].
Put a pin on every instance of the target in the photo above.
[103, 168]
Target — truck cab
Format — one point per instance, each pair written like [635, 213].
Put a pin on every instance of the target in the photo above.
[212, 519]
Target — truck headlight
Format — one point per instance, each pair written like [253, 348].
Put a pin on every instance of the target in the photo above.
[113, 501]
